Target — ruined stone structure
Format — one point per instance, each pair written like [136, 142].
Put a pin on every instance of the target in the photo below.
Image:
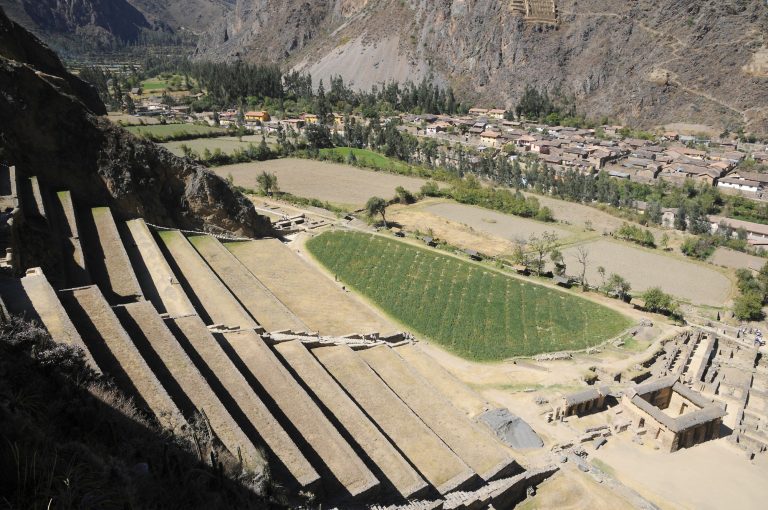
[536, 11]
[181, 324]
[673, 415]
[727, 367]
[582, 403]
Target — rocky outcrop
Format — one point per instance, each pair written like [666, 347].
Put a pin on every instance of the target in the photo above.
[52, 129]
[645, 62]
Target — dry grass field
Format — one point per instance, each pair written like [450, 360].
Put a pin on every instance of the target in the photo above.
[227, 144]
[644, 269]
[495, 223]
[339, 184]
[736, 260]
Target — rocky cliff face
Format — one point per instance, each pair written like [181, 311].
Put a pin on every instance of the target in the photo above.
[100, 19]
[51, 128]
[645, 62]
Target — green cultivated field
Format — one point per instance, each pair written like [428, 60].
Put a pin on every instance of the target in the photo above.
[368, 159]
[471, 310]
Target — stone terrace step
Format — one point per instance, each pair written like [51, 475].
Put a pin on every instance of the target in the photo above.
[310, 294]
[182, 380]
[457, 392]
[157, 280]
[252, 294]
[106, 257]
[52, 313]
[64, 211]
[334, 455]
[116, 354]
[231, 386]
[486, 456]
[372, 443]
[435, 461]
[210, 296]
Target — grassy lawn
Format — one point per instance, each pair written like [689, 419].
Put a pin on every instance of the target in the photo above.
[369, 159]
[168, 130]
[471, 310]
[153, 85]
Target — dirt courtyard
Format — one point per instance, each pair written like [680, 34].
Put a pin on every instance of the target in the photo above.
[713, 475]
[339, 184]
[643, 269]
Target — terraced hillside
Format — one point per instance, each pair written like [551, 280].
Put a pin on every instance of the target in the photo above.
[471, 310]
[182, 325]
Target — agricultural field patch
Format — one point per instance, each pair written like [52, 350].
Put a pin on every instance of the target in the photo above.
[644, 269]
[339, 184]
[226, 144]
[368, 159]
[505, 226]
[169, 130]
[471, 310]
[736, 260]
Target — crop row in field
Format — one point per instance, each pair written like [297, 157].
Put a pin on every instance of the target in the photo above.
[469, 309]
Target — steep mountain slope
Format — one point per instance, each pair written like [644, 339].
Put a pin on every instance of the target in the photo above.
[103, 20]
[87, 25]
[52, 129]
[193, 15]
[645, 62]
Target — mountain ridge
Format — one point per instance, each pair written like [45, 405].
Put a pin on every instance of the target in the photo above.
[644, 63]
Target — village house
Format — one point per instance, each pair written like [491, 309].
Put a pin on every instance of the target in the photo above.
[740, 184]
[261, 116]
[671, 414]
[492, 139]
[292, 125]
[497, 113]
[310, 118]
[437, 127]
[478, 111]
[338, 120]
[525, 141]
[757, 233]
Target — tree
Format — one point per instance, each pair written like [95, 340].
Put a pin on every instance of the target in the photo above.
[377, 205]
[664, 243]
[601, 272]
[130, 106]
[619, 286]
[556, 257]
[404, 196]
[541, 246]
[318, 136]
[582, 256]
[267, 182]
[681, 222]
[430, 189]
[519, 257]
[656, 300]
[748, 306]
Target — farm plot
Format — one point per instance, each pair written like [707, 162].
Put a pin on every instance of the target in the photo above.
[473, 311]
[226, 144]
[495, 223]
[644, 269]
[166, 130]
[736, 260]
[332, 182]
